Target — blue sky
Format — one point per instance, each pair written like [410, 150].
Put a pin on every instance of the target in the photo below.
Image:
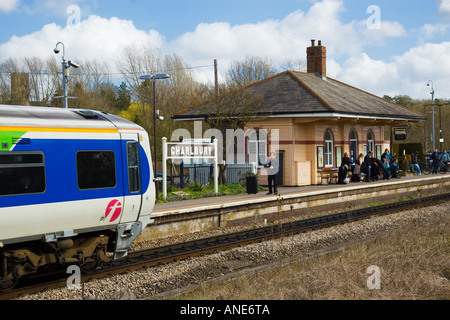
[409, 47]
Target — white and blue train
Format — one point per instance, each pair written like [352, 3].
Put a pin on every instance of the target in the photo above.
[76, 187]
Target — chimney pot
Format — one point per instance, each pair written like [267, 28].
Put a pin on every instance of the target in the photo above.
[313, 43]
[320, 43]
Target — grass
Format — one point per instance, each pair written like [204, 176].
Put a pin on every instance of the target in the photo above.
[197, 190]
[414, 264]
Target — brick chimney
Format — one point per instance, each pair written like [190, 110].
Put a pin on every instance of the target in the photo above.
[317, 59]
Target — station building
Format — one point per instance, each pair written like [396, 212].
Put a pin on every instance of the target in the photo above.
[318, 119]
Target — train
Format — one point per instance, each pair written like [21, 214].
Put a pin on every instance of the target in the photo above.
[76, 188]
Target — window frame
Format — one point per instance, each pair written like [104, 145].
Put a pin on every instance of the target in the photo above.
[26, 165]
[137, 166]
[354, 139]
[78, 171]
[329, 149]
[258, 141]
[371, 142]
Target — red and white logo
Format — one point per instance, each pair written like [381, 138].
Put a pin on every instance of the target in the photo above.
[114, 209]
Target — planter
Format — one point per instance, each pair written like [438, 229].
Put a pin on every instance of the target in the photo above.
[252, 185]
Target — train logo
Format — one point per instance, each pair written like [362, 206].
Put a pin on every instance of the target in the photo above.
[114, 208]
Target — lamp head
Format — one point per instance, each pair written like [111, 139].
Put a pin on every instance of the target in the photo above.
[56, 50]
[73, 64]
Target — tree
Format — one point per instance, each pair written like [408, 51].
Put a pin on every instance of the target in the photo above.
[230, 109]
[123, 97]
[250, 70]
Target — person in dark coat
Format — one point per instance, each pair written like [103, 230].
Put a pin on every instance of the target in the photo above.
[376, 166]
[436, 161]
[368, 166]
[344, 169]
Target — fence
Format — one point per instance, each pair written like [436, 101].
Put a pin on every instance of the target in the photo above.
[203, 173]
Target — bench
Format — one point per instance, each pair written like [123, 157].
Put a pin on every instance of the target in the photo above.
[328, 174]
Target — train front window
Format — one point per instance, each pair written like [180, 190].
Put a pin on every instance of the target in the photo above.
[96, 170]
[21, 173]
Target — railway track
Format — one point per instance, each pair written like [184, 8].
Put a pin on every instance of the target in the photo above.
[166, 254]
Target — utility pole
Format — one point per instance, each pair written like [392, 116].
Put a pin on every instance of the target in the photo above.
[65, 73]
[433, 135]
[216, 77]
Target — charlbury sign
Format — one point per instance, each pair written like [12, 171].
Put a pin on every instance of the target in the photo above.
[185, 150]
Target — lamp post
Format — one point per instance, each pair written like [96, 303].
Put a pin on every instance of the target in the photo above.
[65, 72]
[156, 116]
[432, 115]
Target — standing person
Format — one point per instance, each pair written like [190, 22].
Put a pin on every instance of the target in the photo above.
[445, 158]
[357, 171]
[368, 163]
[415, 163]
[436, 160]
[272, 166]
[386, 155]
[386, 169]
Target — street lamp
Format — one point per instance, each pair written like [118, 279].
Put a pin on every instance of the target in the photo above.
[432, 113]
[65, 72]
[156, 116]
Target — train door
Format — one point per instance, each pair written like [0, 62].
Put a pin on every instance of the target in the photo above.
[131, 176]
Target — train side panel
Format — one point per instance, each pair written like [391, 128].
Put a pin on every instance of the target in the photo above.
[83, 183]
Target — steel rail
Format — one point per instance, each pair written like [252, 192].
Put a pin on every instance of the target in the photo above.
[166, 254]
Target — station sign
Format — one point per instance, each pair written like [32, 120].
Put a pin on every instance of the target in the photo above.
[400, 134]
[188, 150]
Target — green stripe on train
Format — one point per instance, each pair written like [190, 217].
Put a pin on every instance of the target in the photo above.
[9, 138]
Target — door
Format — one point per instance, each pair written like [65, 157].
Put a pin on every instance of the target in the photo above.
[131, 177]
[280, 176]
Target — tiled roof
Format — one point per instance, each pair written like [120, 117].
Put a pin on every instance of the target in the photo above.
[295, 93]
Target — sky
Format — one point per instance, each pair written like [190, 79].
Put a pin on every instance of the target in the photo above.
[389, 47]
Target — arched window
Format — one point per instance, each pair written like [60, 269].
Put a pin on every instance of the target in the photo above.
[371, 141]
[329, 146]
[353, 146]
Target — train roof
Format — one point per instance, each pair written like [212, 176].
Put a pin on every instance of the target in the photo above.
[57, 117]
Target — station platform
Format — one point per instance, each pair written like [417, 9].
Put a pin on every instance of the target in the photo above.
[196, 215]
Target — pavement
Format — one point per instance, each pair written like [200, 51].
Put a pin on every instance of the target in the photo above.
[261, 195]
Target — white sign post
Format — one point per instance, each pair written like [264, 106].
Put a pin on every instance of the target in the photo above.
[189, 150]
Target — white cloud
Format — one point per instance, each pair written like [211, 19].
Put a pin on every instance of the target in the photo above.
[285, 39]
[444, 7]
[278, 40]
[430, 31]
[9, 5]
[378, 37]
[100, 39]
[375, 76]
[405, 74]
[93, 39]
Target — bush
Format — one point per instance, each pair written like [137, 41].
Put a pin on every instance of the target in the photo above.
[195, 187]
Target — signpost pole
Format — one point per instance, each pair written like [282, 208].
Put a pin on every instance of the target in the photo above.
[164, 169]
[216, 167]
